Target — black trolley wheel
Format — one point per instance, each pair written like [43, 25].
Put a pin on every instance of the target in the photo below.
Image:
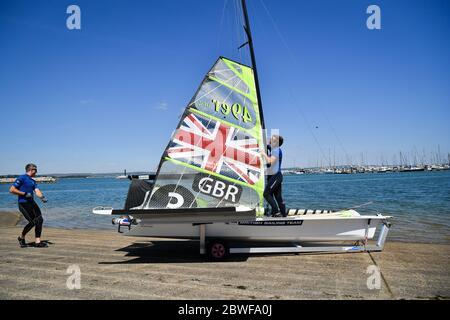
[217, 249]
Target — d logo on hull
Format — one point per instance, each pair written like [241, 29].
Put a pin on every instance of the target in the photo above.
[172, 196]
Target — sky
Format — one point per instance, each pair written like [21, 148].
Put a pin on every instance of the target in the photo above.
[108, 96]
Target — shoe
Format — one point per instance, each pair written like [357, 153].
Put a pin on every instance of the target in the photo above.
[22, 242]
[276, 214]
[41, 245]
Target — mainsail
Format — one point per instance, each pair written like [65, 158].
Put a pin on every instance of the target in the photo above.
[212, 159]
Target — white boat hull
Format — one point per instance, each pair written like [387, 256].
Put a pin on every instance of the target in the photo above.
[327, 227]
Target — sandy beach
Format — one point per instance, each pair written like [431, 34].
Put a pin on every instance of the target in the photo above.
[116, 267]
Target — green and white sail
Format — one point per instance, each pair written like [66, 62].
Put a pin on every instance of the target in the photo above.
[213, 159]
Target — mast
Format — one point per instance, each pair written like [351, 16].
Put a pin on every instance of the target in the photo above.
[252, 55]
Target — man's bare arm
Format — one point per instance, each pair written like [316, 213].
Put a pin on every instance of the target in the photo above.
[39, 193]
[16, 191]
[270, 160]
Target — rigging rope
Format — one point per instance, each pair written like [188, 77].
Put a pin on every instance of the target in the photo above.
[239, 33]
[221, 26]
[295, 62]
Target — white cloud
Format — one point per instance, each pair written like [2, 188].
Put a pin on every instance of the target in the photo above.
[162, 106]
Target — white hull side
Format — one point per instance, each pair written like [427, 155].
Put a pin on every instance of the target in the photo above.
[312, 228]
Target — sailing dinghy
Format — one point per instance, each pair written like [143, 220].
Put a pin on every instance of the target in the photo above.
[210, 180]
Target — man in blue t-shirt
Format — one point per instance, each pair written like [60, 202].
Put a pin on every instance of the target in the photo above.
[274, 177]
[25, 187]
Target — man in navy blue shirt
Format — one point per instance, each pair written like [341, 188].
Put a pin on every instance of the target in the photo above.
[274, 177]
[25, 187]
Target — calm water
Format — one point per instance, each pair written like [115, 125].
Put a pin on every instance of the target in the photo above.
[420, 201]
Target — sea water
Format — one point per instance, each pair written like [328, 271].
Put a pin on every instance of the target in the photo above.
[419, 201]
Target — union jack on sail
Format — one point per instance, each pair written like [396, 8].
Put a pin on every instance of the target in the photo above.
[216, 147]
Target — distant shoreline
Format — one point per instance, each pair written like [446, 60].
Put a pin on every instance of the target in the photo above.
[344, 169]
[40, 179]
[76, 175]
